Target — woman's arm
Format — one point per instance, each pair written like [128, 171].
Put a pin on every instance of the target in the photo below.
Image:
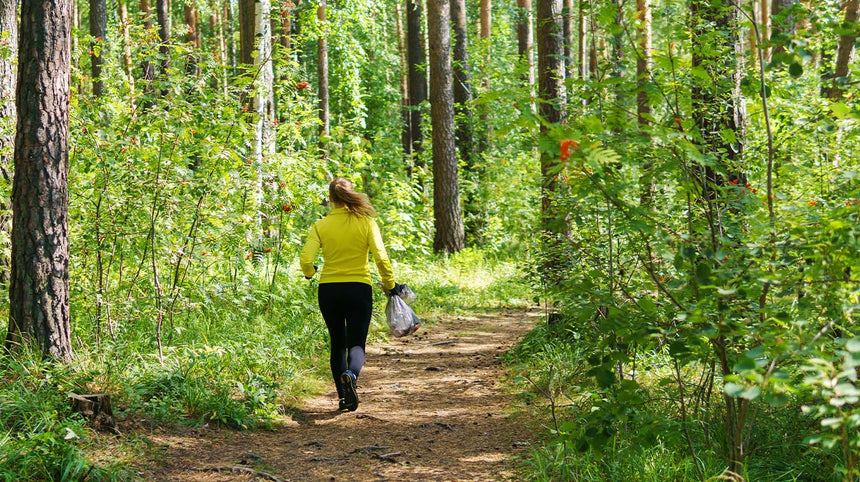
[380, 256]
[309, 253]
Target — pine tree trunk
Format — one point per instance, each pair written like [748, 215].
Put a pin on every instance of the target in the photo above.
[525, 45]
[192, 37]
[286, 37]
[417, 77]
[567, 25]
[405, 133]
[39, 291]
[844, 51]
[162, 8]
[246, 32]
[485, 34]
[8, 81]
[550, 47]
[448, 219]
[322, 77]
[98, 31]
[462, 85]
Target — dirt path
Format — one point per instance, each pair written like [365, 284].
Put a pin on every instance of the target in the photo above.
[431, 409]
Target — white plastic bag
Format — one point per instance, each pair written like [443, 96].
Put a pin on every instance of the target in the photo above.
[401, 319]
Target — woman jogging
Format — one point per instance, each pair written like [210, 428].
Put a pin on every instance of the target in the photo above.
[346, 235]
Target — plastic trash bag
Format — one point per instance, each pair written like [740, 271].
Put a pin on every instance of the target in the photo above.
[401, 319]
[407, 294]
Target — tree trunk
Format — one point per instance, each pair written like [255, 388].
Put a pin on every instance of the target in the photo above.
[643, 79]
[462, 86]
[286, 38]
[780, 27]
[581, 44]
[231, 42]
[322, 77]
[98, 30]
[844, 51]
[8, 81]
[448, 219]
[125, 25]
[405, 133]
[192, 37]
[417, 77]
[39, 291]
[464, 123]
[246, 32]
[485, 34]
[146, 65]
[162, 8]
[718, 108]
[764, 26]
[550, 47]
[567, 26]
[263, 101]
[524, 40]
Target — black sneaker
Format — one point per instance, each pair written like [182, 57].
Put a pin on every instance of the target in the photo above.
[341, 405]
[350, 397]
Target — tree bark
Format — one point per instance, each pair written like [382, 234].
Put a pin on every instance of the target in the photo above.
[230, 41]
[550, 47]
[417, 77]
[567, 26]
[286, 35]
[246, 32]
[844, 50]
[525, 45]
[192, 37]
[322, 77]
[8, 82]
[162, 8]
[462, 85]
[582, 45]
[98, 31]
[405, 133]
[448, 219]
[125, 25]
[39, 291]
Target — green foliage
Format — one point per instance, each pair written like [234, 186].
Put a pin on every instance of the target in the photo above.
[41, 439]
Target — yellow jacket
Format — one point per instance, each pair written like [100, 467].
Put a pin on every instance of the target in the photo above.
[345, 240]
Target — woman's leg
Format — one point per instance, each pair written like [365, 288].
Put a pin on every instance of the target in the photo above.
[358, 313]
[334, 313]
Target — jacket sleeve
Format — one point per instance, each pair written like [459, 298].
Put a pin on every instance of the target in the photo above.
[309, 252]
[380, 256]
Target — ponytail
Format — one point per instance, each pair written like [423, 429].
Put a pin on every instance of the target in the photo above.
[341, 191]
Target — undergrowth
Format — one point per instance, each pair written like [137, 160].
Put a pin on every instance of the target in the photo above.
[242, 359]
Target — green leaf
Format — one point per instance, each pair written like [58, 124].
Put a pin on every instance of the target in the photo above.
[840, 110]
[795, 69]
[733, 389]
[853, 345]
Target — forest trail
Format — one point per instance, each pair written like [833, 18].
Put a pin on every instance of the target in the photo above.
[432, 408]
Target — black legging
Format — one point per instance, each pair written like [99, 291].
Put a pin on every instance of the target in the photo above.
[346, 308]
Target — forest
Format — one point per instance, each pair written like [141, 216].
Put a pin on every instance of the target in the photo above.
[649, 208]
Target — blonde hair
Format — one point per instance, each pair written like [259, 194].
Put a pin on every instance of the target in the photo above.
[341, 191]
